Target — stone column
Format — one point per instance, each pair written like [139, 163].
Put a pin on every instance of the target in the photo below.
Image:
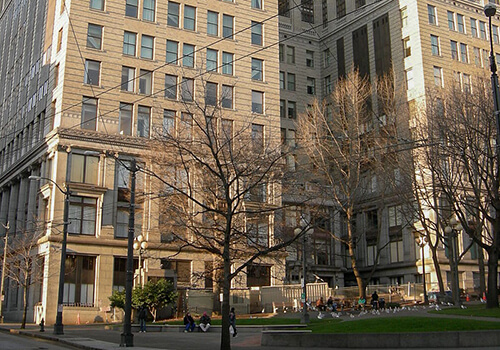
[12, 211]
[21, 203]
[32, 216]
[4, 207]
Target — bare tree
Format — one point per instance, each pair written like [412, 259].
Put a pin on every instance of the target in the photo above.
[219, 177]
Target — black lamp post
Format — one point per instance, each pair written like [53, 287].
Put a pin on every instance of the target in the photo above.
[490, 10]
[421, 242]
[451, 231]
[58, 326]
[305, 315]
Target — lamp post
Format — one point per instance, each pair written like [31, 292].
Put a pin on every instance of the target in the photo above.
[451, 230]
[58, 326]
[490, 11]
[141, 245]
[305, 315]
[421, 242]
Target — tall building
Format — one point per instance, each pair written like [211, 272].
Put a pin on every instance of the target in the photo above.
[84, 85]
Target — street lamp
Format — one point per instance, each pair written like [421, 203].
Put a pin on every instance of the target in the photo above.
[59, 327]
[421, 242]
[141, 245]
[305, 315]
[451, 230]
[490, 10]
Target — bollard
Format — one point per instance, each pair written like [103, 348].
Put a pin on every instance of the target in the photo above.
[42, 325]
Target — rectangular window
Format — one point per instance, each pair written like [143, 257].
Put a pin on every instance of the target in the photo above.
[189, 17]
[128, 78]
[212, 23]
[451, 20]
[473, 27]
[227, 26]
[396, 249]
[311, 86]
[145, 81]
[258, 275]
[131, 8]
[467, 83]
[327, 56]
[407, 46]
[409, 79]
[340, 7]
[168, 122]
[84, 168]
[494, 34]
[188, 55]
[482, 30]
[171, 86]
[212, 60]
[307, 11]
[89, 113]
[257, 4]
[147, 43]
[148, 10]
[211, 94]
[187, 89]
[256, 33]
[464, 57]
[125, 119]
[129, 40]
[282, 112]
[292, 109]
[328, 84]
[120, 265]
[404, 17]
[82, 215]
[91, 74]
[282, 80]
[186, 129]
[257, 102]
[227, 63]
[477, 57]
[97, 5]
[257, 136]
[290, 54]
[172, 51]
[284, 8]
[435, 45]
[454, 50]
[79, 281]
[94, 36]
[438, 76]
[324, 13]
[173, 14]
[290, 77]
[431, 11]
[143, 117]
[257, 69]
[460, 23]
[59, 39]
[282, 52]
[309, 58]
[227, 96]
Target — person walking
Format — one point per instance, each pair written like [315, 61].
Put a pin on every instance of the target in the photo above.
[189, 323]
[232, 322]
[205, 322]
[143, 314]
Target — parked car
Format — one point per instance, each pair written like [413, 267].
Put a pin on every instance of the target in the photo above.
[434, 297]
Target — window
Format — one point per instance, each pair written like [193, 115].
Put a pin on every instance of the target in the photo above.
[227, 96]
[460, 23]
[309, 58]
[311, 86]
[131, 8]
[360, 3]
[258, 275]
[327, 56]
[129, 40]
[79, 281]
[404, 17]
[307, 11]
[284, 8]
[171, 86]
[463, 53]
[173, 14]
[84, 168]
[59, 39]
[82, 215]
[396, 248]
[328, 84]
[172, 51]
[438, 76]
[227, 26]
[324, 13]
[148, 10]
[290, 54]
[477, 57]
[473, 27]
[188, 55]
[94, 36]
[451, 20]
[282, 80]
[409, 79]
[282, 113]
[290, 77]
[128, 78]
[211, 94]
[257, 136]
[435, 45]
[186, 126]
[454, 50]
[407, 46]
[89, 113]
[91, 74]
[486, 60]
[292, 109]
[340, 8]
[482, 30]
[494, 34]
[467, 83]
[97, 4]
[212, 60]
[257, 4]
[431, 10]
[145, 81]
[257, 69]
[256, 33]
[168, 122]
[143, 116]
[227, 63]
[212, 23]
[257, 102]
[189, 17]
[125, 119]
[147, 43]
[120, 268]
[182, 270]
[187, 89]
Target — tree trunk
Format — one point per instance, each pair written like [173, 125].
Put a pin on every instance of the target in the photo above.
[482, 272]
[492, 294]
[225, 343]
[25, 306]
[437, 267]
[352, 255]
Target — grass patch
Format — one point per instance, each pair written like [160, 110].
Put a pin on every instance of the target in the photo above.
[248, 321]
[400, 325]
[472, 310]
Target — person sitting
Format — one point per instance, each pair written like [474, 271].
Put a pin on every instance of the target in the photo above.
[320, 304]
[204, 322]
[361, 303]
[374, 301]
[329, 304]
[189, 323]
